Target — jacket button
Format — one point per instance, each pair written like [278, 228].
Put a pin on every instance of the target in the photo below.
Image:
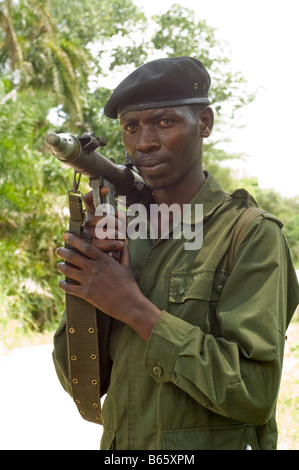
[248, 447]
[219, 289]
[180, 290]
[158, 371]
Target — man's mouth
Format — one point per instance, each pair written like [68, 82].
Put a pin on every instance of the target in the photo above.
[150, 166]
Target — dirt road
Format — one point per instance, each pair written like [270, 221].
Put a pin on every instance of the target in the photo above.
[36, 413]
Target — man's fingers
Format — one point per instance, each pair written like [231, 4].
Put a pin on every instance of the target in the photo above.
[81, 244]
[125, 256]
[92, 250]
[88, 199]
[104, 220]
[69, 288]
[110, 234]
[108, 245]
[69, 272]
[106, 227]
[85, 249]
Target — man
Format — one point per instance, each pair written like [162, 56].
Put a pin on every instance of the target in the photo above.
[190, 351]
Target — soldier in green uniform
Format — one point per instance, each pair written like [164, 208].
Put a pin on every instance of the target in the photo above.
[190, 350]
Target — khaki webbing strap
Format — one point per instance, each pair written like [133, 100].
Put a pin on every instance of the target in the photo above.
[82, 336]
[77, 215]
[240, 230]
[83, 350]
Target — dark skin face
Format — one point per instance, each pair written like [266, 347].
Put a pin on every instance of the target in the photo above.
[165, 145]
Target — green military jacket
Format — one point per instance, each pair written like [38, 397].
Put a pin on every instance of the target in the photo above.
[209, 376]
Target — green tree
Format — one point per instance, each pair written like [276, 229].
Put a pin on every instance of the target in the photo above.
[287, 210]
[37, 56]
[46, 44]
[31, 215]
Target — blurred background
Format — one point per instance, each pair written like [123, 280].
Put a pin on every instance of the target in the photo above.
[59, 62]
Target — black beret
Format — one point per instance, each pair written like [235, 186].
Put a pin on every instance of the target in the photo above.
[161, 83]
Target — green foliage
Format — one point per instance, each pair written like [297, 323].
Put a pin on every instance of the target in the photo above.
[51, 56]
[31, 218]
[286, 209]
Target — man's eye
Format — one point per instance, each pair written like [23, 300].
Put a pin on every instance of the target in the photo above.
[165, 122]
[130, 127]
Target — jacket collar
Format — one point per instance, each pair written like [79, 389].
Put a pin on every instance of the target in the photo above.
[210, 195]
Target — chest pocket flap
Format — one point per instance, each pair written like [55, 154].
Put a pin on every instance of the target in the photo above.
[193, 285]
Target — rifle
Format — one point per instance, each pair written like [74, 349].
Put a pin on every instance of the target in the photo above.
[80, 154]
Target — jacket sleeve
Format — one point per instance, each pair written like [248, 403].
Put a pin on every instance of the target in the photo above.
[60, 356]
[238, 373]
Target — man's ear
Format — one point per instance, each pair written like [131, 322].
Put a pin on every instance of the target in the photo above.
[207, 121]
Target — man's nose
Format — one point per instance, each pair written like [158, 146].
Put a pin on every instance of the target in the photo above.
[147, 141]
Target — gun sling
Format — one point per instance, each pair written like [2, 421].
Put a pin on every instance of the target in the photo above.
[240, 229]
[82, 334]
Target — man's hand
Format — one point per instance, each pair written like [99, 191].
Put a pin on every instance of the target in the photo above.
[106, 283]
[97, 273]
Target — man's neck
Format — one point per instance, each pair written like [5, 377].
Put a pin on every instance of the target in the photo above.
[181, 193]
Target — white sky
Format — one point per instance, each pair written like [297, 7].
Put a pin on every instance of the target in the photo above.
[264, 38]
